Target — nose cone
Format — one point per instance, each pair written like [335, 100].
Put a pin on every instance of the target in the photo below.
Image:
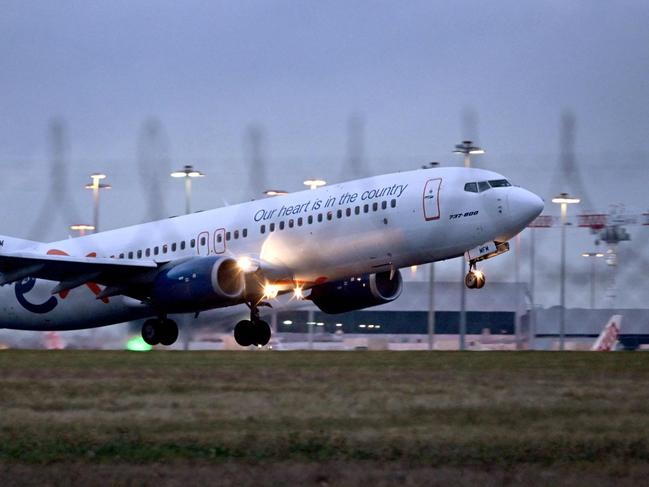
[524, 206]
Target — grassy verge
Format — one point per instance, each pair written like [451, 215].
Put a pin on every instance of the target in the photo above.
[495, 414]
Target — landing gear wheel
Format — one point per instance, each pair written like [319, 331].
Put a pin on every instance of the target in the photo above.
[168, 331]
[262, 333]
[474, 279]
[150, 332]
[244, 333]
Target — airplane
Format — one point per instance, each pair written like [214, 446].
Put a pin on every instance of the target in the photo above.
[343, 244]
[608, 338]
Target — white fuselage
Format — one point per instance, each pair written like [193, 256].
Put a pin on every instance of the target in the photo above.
[338, 231]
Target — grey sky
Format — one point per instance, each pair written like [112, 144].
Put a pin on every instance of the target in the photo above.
[207, 70]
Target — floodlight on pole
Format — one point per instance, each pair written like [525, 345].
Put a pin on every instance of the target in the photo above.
[187, 173]
[275, 192]
[96, 186]
[82, 228]
[466, 148]
[564, 200]
[314, 183]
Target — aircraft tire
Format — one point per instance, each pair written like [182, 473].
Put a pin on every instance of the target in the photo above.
[262, 333]
[150, 333]
[168, 332]
[244, 333]
[470, 280]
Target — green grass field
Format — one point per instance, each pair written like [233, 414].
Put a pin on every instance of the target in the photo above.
[323, 418]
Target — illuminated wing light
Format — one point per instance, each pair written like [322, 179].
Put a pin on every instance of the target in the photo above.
[270, 291]
[298, 293]
[246, 264]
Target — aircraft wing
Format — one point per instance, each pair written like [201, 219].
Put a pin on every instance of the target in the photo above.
[70, 271]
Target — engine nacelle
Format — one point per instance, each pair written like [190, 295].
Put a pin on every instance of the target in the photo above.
[198, 283]
[357, 293]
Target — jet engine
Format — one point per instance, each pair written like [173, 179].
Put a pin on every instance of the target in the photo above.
[357, 293]
[198, 283]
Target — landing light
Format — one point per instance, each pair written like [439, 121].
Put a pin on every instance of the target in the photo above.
[298, 293]
[245, 264]
[270, 291]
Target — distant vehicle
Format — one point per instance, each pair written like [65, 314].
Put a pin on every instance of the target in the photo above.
[608, 338]
[343, 243]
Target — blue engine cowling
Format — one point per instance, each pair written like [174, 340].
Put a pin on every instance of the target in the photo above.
[357, 293]
[198, 283]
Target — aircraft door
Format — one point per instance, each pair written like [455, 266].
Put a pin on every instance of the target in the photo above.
[219, 241]
[203, 243]
[431, 199]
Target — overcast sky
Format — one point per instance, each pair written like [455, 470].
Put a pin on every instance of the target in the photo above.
[208, 69]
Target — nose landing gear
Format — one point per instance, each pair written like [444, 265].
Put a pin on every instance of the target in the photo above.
[474, 279]
[254, 331]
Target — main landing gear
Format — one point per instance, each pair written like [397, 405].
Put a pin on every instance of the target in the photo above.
[474, 279]
[254, 331]
[160, 331]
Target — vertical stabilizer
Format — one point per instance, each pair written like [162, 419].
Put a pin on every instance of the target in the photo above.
[608, 338]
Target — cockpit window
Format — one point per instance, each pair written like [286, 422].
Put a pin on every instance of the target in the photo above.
[483, 186]
[471, 187]
[499, 183]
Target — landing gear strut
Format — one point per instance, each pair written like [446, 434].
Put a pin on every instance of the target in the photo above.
[474, 279]
[254, 331]
[160, 331]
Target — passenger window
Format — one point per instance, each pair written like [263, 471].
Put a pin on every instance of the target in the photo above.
[499, 183]
[219, 238]
[203, 241]
[147, 252]
[236, 234]
[130, 255]
[228, 236]
[483, 186]
[357, 210]
[384, 205]
[262, 229]
[164, 249]
[309, 219]
[366, 208]
[173, 247]
[121, 256]
[281, 225]
[299, 222]
[330, 215]
[339, 213]
[272, 227]
[182, 245]
[471, 187]
[244, 232]
[139, 254]
[375, 206]
[393, 203]
[192, 244]
[319, 217]
[155, 250]
[348, 212]
[290, 223]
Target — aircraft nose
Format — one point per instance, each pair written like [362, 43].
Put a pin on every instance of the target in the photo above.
[524, 206]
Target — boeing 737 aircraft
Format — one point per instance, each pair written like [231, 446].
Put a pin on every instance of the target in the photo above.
[341, 246]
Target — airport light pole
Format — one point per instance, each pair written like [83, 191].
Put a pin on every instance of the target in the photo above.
[592, 256]
[81, 228]
[187, 173]
[96, 186]
[466, 148]
[564, 200]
